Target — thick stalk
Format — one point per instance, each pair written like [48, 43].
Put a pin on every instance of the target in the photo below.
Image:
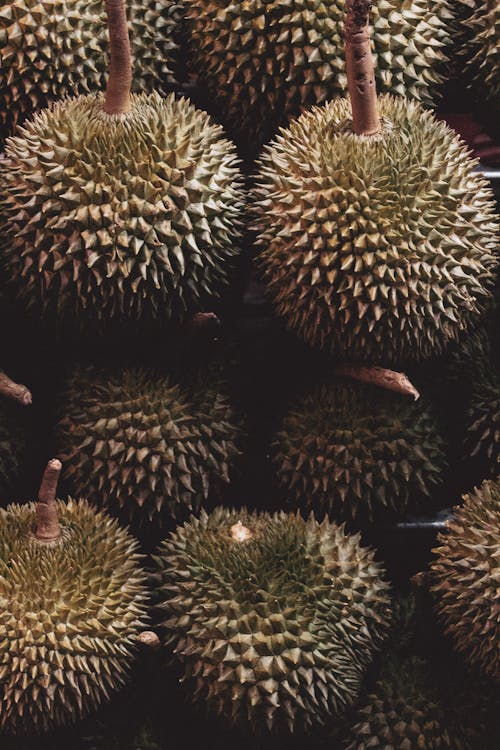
[361, 68]
[117, 100]
[381, 377]
[47, 528]
[13, 390]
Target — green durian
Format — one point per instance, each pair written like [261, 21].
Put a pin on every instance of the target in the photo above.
[73, 603]
[466, 578]
[50, 49]
[379, 248]
[263, 61]
[355, 450]
[138, 441]
[124, 216]
[405, 711]
[273, 619]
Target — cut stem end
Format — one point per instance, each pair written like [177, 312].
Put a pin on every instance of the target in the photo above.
[47, 528]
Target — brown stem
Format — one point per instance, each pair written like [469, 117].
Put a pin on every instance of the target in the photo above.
[47, 527]
[360, 68]
[117, 100]
[381, 377]
[14, 390]
[149, 640]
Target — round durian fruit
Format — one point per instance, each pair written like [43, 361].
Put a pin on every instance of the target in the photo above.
[481, 23]
[273, 619]
[355, 450]
[379, 248]
[137, 441]
[404, 711]
[73, 602]
[119, 217]
[52, 49]
[466, 578]
[263, 61]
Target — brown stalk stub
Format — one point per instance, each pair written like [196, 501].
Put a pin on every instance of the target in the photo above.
[16, 391]
[381, 377]
[360, 68]
[117, 100]
[47, 528]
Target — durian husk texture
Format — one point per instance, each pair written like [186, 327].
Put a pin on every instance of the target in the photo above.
[119, 216]
[69, 617]
[382, 249]
[273, 632]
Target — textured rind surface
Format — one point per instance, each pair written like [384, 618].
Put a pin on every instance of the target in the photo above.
[139, 441]
[69, 616]
[356, 450]
[381, 249]
[404, 712]
[466, 578]
[127, 216]
[12, 449]
[274, 632]
[57, 48]
[263, 61]
[480, 23]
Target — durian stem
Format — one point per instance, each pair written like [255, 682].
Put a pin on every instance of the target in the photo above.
[360, 68]
[381, 377]
[149, 640]
[16, 391]
[117, 100]
[47, 523]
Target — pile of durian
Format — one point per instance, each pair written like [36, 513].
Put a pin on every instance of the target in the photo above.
[251, 280]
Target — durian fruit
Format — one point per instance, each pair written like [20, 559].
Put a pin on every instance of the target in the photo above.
[378, 238]
[119, 207]
[12, 433]
[263, 61]
[138, 441]
[466, 578]
[355, 450]
[405, 711]
[273, 619]
[480, 20]
[73, 601]
[52, 49]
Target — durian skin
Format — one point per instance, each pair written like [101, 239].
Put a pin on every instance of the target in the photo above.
[273, 633]
[139, 442]
[264, 61]
[53, 49]
[69, 617]
[481, 29]
[133, 216]
[353, 450]
[380, 249]
[404, 712]
[466, 579]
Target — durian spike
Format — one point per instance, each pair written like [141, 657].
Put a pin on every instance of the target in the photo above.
[120, 69]
[47, 528]
[360, 68]
[381, 377]
[13, 390]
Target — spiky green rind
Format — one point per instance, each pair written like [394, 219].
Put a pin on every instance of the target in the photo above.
[52, 49]
[481, 29]
[12, 449]
[358, 451]
[137, 440]
[69, 616]
[404, 712]
[263, 61]
[466, 578]
[123, 216]
[274, 632]
[380, 249]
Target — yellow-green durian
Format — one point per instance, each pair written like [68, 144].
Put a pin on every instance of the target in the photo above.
[355, 450]
[263, 61]
[141, 442]
[273, 619]
[466, 578]
[50, 49]
[380, 248]
[129, 216]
